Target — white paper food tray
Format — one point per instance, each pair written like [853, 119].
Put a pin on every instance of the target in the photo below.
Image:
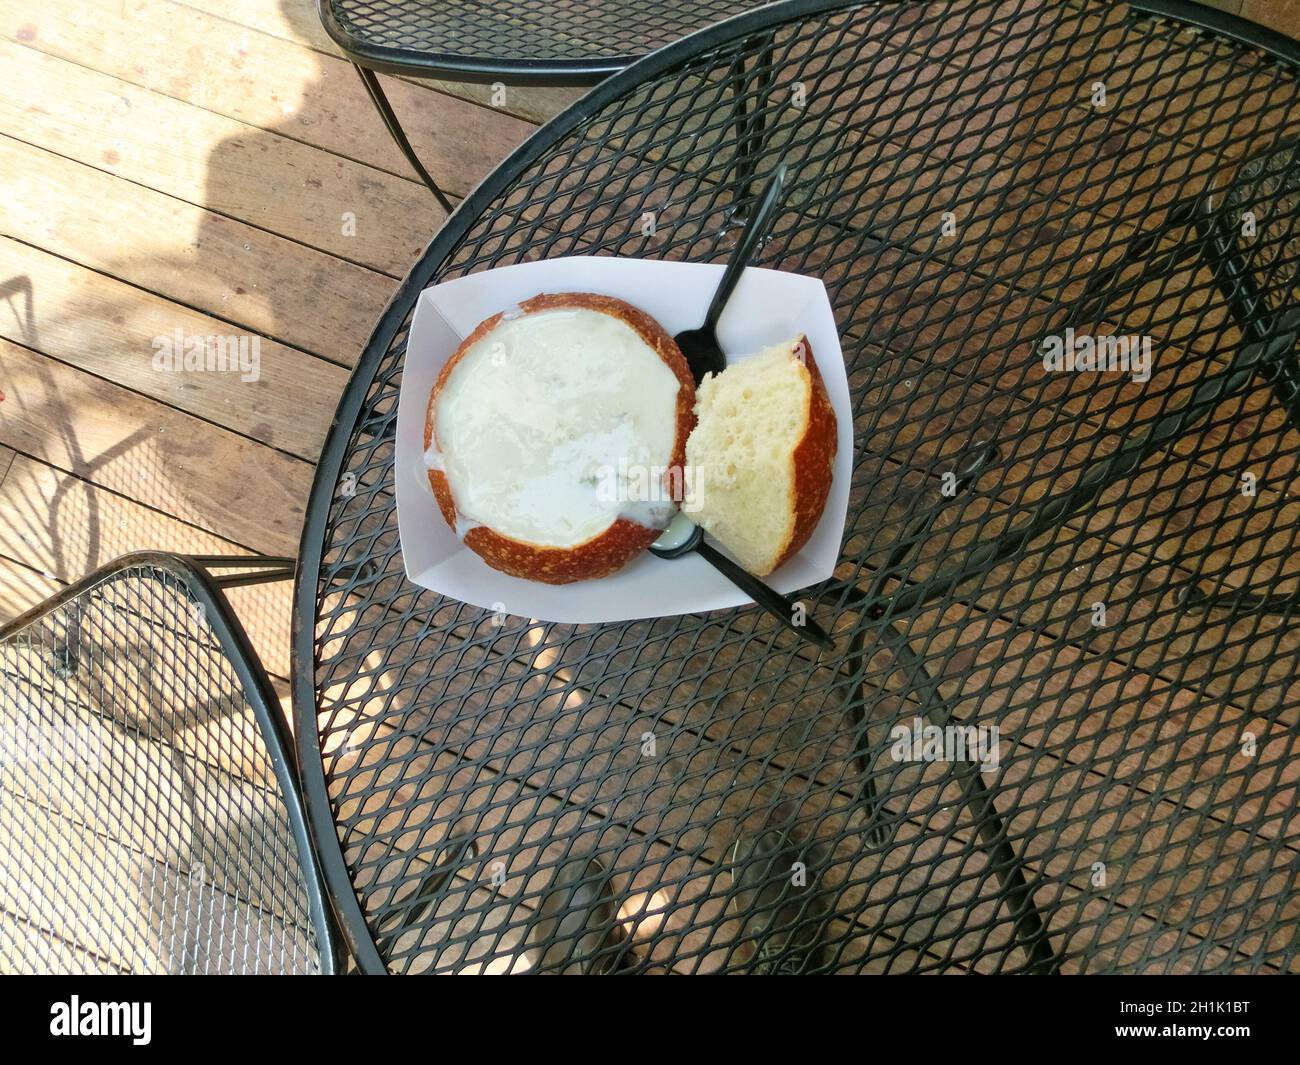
[767, 306]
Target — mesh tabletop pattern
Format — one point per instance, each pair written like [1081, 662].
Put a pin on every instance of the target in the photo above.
[524, 34]
[1090, 577]
[144, 827]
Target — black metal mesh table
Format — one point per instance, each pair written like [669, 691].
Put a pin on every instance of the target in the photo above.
[1099, 565]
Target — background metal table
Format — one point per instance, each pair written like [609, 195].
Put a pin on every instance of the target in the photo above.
[531, 42]
[1101, 567]
[565, 42]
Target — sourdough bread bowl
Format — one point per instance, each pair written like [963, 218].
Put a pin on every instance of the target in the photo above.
[537, 420]
[765, 441]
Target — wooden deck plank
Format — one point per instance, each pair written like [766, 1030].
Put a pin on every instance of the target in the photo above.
[235, 169]
[156, 779]
[22, 587]
[135, 909]
[30, 949]
[271, 84]
[171, 461]
[280, 396]
[191, 256]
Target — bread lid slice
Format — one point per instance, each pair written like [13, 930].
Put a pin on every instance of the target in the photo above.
[549, 431]
[761, 454]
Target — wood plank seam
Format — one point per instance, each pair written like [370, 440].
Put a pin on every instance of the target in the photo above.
[214, 210]
[95, 89]
[206, 312]
[293, 456]
[414, 181]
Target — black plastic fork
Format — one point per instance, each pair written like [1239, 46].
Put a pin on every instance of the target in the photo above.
[700, 346]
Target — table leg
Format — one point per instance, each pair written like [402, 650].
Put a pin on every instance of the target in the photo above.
[855, 708]
[385, 109]
[992, 830]
[1234, 279]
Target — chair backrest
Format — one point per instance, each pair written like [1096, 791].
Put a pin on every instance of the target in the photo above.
[151, 819]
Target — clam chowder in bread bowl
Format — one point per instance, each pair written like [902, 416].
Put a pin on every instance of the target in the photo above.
[537, 421]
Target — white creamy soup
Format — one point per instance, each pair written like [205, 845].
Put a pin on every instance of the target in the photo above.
[539, 415]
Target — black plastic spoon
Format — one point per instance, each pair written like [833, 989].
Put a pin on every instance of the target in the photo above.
[683, 536]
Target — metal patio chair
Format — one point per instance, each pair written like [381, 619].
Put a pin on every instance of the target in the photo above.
[152, 815]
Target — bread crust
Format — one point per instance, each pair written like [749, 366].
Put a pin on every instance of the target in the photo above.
[812, 460]
[607, 551]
